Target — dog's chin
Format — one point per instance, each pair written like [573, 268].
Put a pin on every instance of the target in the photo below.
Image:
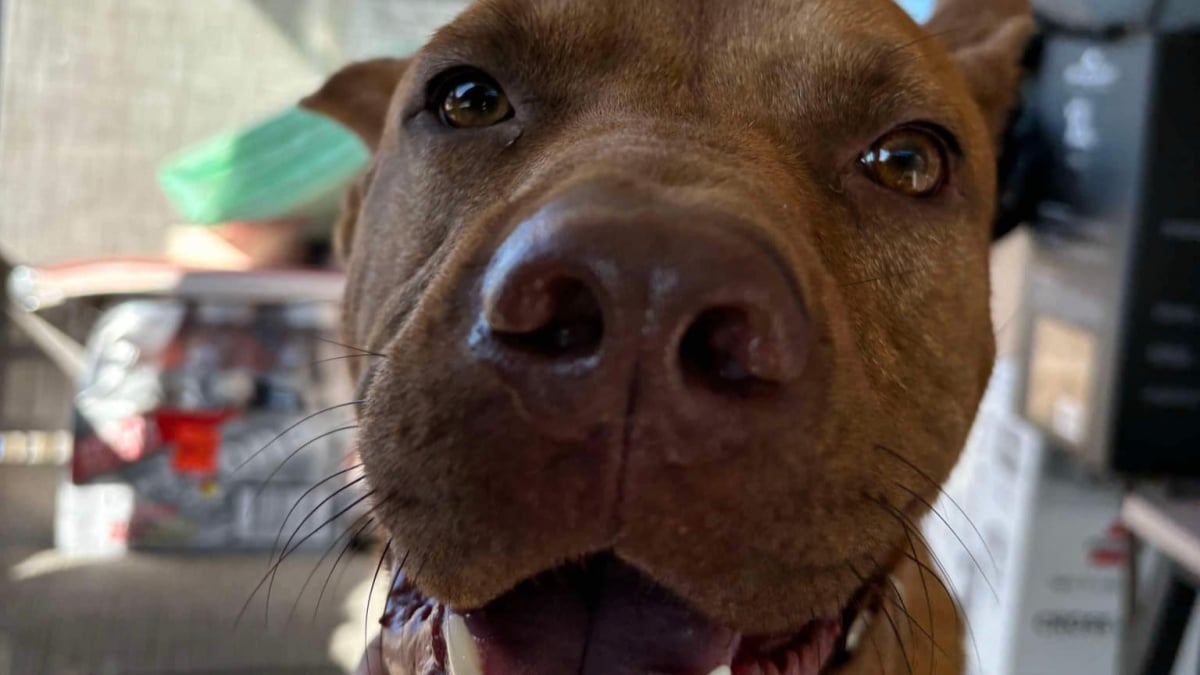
[602, 616]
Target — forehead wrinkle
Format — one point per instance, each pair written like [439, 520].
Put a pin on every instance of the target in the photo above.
[488, 35]
[821, 64]
[902, 89]
[832, 81]
[559, 40]
[885, 84]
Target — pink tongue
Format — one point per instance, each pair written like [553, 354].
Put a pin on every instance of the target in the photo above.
[606, 620]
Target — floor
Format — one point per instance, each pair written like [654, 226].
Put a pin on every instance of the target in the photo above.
[154, 614]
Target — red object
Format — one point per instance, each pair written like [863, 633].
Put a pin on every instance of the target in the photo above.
[1107, 557]
[196, 436]
[91, 457]
[1112, 551]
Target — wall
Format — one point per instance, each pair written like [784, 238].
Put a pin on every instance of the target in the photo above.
[95, 94]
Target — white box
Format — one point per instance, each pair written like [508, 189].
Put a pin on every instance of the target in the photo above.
[1045, 594]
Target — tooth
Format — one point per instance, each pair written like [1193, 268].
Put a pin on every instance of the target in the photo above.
[461, 650]
[858, 630]
[723, 670]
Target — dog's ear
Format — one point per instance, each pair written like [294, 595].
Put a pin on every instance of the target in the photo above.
[987, 38]
[358, 96]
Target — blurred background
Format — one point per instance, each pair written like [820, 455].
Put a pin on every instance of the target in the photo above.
[153, 168]
[175, 421]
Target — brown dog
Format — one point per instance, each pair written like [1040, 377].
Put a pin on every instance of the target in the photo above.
[684, 305]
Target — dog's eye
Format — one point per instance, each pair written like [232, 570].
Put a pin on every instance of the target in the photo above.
[470, 99]
[908, 160]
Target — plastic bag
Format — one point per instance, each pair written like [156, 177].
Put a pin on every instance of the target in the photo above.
[290, 164]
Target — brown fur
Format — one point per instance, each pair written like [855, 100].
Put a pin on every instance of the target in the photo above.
[750, 107]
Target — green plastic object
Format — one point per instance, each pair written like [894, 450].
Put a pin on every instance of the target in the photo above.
[294, 163]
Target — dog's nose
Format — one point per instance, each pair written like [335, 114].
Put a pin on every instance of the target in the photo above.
[574, 306]
[543, 311]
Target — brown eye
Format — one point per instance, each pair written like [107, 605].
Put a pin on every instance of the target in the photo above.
[470, 99]
[909, 161]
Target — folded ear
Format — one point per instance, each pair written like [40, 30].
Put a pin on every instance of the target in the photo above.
[358, 96]
[987, 38]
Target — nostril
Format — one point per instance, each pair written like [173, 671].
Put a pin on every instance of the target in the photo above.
[558, 318]
[725, 350]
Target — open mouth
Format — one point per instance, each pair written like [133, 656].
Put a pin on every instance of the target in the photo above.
[602, 617]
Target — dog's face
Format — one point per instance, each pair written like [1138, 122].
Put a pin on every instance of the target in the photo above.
[685, 315]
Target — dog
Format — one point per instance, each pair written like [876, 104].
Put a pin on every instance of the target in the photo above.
[681, 309]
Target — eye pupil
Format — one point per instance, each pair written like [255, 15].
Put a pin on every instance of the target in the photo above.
[472, 100]
[473, 97]
[908, 161]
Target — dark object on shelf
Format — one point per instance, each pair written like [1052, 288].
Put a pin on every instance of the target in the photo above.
[1111, 342]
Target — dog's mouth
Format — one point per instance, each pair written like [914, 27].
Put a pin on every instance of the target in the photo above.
[603, 617]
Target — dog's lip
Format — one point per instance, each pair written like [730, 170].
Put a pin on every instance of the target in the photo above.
[542, 627]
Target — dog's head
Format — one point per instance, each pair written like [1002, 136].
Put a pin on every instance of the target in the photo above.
[684, 309]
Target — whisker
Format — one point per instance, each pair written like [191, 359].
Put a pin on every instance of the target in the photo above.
[404, 561]
[364, 352]
[951, 592]
[902, 605]
[899, 640]
[899, 602]
[925, 542]
[367, 612]
[345, 549]
[299, 501]
[878, 654]
[953, 502]
[302, 420]
[872, 280]
[922, 630]
[262, 486]
[328, 551]
[323, 502]
[943, 578]
[346, 356]
[341, 573]
[953, 532]
[1007, 324]
[928, 606]
[923, 38]
[895, 631]
[287, 546]
[287, 553]
[916, 530]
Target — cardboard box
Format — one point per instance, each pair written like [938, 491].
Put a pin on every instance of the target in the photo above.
[1036, 557]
